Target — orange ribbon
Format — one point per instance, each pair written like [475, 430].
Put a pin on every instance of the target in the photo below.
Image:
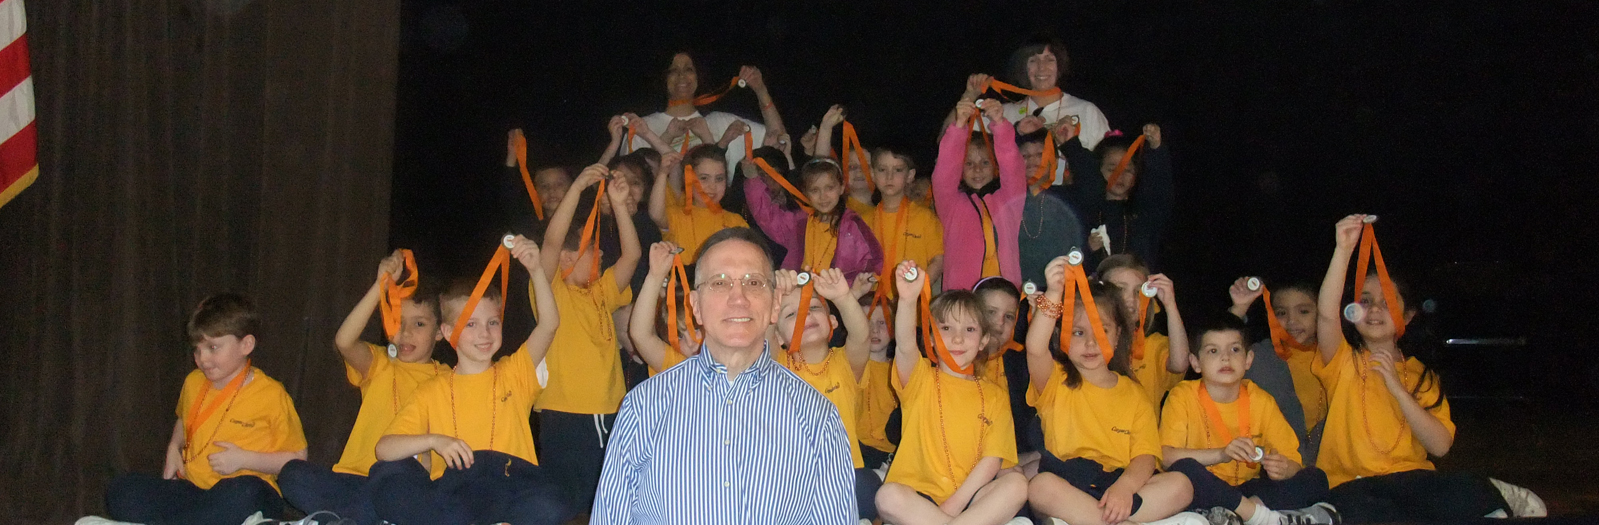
[749, 145]
[799, 316]
[678, 277]
[879, 297]
[1046, 167]
[1213, 413]
[799, 197]
[852, 144]
[527, 178]
[1001, 87]
[693, 189]
[1077, 282]
[1143, 317]
[891, 255]
[1283, 343]
[502, 262]
[392, 294]
[591, 237]
[1116, 176]
[197, 416]
[934, 339]
[1390, 294]
[708, 97]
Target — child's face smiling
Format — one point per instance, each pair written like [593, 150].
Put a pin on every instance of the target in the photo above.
[1223, 358]
[219, 358]
[713, 178]
[1085, 352]
[823, 192]
[1296, 311]
[963, 336]
[818, 323]
[1128, 281]
[419, 330]
[1378, 324]
[481, 337]
[978, 171]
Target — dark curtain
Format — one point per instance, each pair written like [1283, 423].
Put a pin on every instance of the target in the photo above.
[186, 148]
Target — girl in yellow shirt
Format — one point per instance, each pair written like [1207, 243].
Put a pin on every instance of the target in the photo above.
[957, 436]
[1101, 445]
[878, 401]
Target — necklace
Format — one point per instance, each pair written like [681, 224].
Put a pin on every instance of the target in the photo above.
[1365, 406]
[982, 422]
[799, 358]
[1029, 231]
[234, 386]
[494, 407]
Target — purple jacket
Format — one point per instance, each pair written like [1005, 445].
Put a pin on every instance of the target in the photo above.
[857, 250]
[957, 209]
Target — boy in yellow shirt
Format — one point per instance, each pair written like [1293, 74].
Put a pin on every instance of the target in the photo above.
[474, 422]
[387, 377]
[689, 226]
[585, 387]
[905, 228]
[1228, 436]
[236, 428]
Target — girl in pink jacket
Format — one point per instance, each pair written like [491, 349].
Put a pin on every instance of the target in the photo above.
[979, 203]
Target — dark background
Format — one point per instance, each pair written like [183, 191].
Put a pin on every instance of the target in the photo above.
[269, 147]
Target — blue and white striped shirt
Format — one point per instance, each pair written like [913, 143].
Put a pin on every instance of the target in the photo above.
[689, 446]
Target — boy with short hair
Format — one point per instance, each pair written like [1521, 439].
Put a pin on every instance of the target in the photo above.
[236, 428]
[585, 388]
[388, 377]
[474, 420]
[1232, 442]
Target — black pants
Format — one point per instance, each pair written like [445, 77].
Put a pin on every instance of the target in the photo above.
[1416, 495]
[311, 488]
[143, 498]
[1306, 488]
[498, 488]
[866, 485]
[572, 451]
[874, 458]
[1085, 474]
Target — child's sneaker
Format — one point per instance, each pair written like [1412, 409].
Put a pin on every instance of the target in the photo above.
[1221, 516]
[96, 520]
[1318, 514]
[1184, 518]
[1523, 503]
[1019, 521]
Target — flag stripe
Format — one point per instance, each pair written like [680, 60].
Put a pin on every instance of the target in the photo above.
[16, 109]
[14, 63]
[18, 155]
[13, 20]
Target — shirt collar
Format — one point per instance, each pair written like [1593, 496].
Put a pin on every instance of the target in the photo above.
[711, 370]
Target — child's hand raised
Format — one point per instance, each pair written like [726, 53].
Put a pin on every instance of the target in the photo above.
[1347, 232]
[391, 266]
[456, 453]
[734, 131]
[1241, 449]
[909, 290]
[976, 84]
[833, 117]
[526, 251]
[963, 111]
[617, 126]
[1165, 290]
[808, 141]
[994, 110]
[785, 281]
[1152, 135]
[831, 284]
[229, 460]
[617, 189]
[671, 161]
[638, 125]
[864, 283]
[661, 255]
[1241, 295]
[591, 175]
[1055, 277]
[1064, 132]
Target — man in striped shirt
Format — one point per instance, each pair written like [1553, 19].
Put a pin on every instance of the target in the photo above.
[728, 436]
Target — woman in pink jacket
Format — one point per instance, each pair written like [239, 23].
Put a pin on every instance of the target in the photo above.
[980, 211]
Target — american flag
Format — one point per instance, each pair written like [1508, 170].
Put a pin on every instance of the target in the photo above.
[19, 164]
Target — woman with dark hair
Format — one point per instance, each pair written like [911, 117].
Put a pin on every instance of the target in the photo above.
[683, 121]
[1039, 64]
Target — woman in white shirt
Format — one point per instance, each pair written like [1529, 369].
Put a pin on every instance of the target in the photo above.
[1039, 64]
[682, 120]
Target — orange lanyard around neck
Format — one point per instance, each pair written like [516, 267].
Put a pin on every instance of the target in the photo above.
[502, 262]
[707, 98]
[1390, 295]
[527, 177]
[1283, 343]
[392, 294]
[1213, 413]
[1077, 282]
[197, 415]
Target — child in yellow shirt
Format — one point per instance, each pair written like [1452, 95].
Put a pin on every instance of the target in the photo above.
[236, 428]
[835, 372]
[386, 379]
[1231, 441]
[474, 421]
[1283, 368]
[1101, 446]
[905, 228]
[688, 226]
[957, 437]
[1164, 359]
[1387, 415]
[655, 352]
[877, 401]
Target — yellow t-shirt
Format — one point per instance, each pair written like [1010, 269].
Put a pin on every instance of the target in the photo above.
[488, 410]
[1151, 370]
[689, 230]
[860, 208]
[975, 423]
[584, 362]
[388, 385]
[260, 417]
[836, 382]
[1312, 397]
[1366, 434]
[670, 359]
[877, 402]
[920, 240]
[994, 368]
[1108, 425]
[1183, 424]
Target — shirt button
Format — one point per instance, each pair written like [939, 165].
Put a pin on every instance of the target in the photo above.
[730, 401]
[727, 442]
[726, 484]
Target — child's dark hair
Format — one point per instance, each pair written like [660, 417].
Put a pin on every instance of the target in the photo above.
[1036, 137]
[773, 157]
[825, 167]
[953, 301]
[427, 297]
[459, 290]
[650, 158]
[706, 152]
[900, 153]
[635, 161]
[223, 314]
[997, 284]
[1221, 322]
[1415, 338]
[1106, 297]
[1016, 68]
[1120, 261]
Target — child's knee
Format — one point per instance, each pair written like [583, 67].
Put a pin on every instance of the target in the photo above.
[893, 497]
[1046, 486]
[1174, 485]
[1012, 486]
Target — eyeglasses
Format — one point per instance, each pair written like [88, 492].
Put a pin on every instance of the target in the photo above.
[723, 284]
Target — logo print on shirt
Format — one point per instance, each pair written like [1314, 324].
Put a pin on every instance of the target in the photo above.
[1121, 431]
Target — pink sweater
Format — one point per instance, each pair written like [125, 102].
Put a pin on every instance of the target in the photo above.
[957, 209]
[857, 250]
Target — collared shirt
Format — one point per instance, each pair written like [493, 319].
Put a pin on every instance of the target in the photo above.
[690, 446]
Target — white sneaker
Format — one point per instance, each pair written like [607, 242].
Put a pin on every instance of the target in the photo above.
[1523, 503]
[1182, 518]
[1057, 521]
[96, 520]
[1319, 514]
[256, 519]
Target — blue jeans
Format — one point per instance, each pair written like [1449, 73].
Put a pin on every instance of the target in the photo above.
[311, 488]
[144, 498]
[498, 488]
